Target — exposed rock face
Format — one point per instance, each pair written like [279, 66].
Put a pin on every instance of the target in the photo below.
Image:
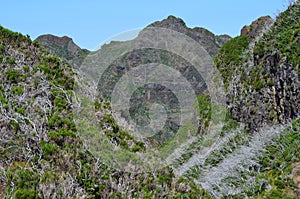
[264, 88]
[245, 30]
[64, 47]
[135, 58]
[257, 27]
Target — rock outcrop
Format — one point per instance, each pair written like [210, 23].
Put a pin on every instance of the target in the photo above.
[211, 43]
[263, 77]
[64, 47]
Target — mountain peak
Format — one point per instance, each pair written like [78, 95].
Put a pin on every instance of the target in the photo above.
[64, 47]
[211, 42]
[171, 22]
[61, 41]
[257, 27]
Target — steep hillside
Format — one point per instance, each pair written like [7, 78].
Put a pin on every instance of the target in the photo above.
[260, 70]
[64, 47]
[41, 152]
[51, 112]
[261, 73]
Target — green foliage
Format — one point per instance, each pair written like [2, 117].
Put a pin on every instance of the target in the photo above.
[218, 155]
[21, 110]
[26, 69]
[10, 61]
[2, 49]
[231, 57]
[13, 76]
[26, 194]
[3, 98]
[120, 137]
[52, 62]
[48, 150]
[140, 146]
[60, 103]
[205, 111]
[283, 36]
[230, 125]
[15, 125]
[14, 38]
[58, 73]
[25, 183]
[55, 121]
[277, 162]
[59, 136]
[17, 90]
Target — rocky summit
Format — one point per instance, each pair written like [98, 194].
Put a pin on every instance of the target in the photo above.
[64, 47]
[248, 147]
[212, 43]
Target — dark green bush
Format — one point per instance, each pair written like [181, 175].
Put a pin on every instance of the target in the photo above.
[2, 49]
[17, 90]
[48, 150]
[60, 103]
[13, 75]
[59, 136]
[26, 69]
[26, 194]
[55, 121]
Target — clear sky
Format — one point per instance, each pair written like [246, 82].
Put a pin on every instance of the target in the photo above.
[91, 22]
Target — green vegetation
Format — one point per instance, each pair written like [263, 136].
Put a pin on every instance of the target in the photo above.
[274, 177]
[13, 38]
[277, 164]
[2, 49]
[57, 73]
[283, 36]
[17, 90]
[14, 76]
[25, 182]
[118, 136]
[42, 154]
[231, 57]
[205, 111]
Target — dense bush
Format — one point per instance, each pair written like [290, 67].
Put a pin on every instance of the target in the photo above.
[231, 57]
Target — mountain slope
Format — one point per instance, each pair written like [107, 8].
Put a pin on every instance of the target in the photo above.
[64, 47]
[254, 154]
[41, 152]
[262, 73]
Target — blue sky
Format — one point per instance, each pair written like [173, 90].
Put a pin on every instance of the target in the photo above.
[92, 22]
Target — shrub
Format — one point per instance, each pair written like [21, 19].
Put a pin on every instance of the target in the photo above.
[59, 136]
[55, 121]
[26, 69]
[25, 194]
[205, 110]
[17, 90]
[21, 110]
[2, 49]
[48, 149]
[13, 76]
[60, 103]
